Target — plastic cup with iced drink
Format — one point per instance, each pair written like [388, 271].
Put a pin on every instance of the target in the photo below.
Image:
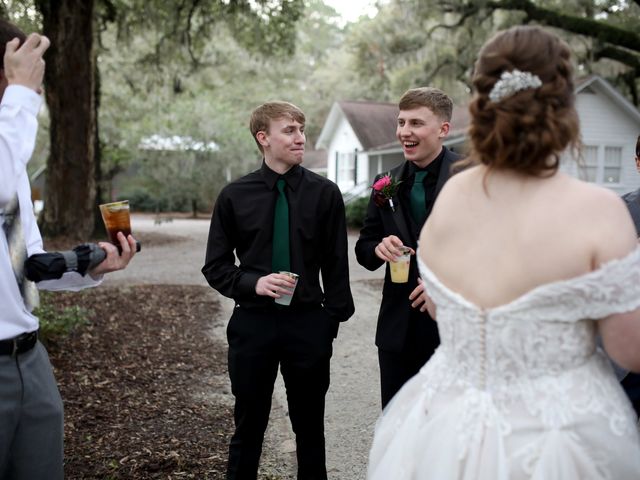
[400, 268]
[116, 219]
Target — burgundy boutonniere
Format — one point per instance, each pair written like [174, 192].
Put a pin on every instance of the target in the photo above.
[383, 191]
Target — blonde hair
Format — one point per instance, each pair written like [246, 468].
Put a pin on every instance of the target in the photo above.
[262, 116]
[433, 98]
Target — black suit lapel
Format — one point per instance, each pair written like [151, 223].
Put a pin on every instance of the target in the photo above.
[400, 219]
[400, 214]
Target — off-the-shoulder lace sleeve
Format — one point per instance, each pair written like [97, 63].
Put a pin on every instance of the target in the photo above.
[614, 287]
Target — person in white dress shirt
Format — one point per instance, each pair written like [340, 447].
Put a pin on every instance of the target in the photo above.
[31, 411]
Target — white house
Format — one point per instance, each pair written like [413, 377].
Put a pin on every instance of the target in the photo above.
[360, 139]
[610, 126]
[351, 130]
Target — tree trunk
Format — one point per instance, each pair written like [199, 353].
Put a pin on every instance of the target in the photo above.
[194, 208]
[70, 93]
[99, 229]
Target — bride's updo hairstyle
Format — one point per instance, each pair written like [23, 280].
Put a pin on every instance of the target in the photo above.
[525, 121]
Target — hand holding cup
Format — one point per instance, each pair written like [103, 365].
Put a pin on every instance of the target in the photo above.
[276, 285]
[390, 248]
[117, 257]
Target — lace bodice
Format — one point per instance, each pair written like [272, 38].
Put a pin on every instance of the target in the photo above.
[518, 391]
[545, 331]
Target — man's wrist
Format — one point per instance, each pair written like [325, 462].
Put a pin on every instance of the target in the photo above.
[247, 284]
[17, 95]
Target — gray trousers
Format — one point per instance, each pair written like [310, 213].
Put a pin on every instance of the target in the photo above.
[31, 418]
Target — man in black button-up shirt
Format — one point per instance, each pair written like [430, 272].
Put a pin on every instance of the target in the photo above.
[263, 335]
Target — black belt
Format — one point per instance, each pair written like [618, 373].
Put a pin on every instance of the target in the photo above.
[20, 344]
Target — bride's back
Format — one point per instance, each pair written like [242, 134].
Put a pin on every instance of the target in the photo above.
[513, 222]
[494, 237]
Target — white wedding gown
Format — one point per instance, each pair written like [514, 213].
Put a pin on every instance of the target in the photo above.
[519, 391]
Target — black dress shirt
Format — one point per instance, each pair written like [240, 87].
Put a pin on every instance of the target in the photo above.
[243, 221]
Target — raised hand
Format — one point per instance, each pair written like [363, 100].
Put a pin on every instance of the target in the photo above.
[24, 65]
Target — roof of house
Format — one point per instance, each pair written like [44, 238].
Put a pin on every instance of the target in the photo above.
[594, 82]
[315, 159]
[374, 123]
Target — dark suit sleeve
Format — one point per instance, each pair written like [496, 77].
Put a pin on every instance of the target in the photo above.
[219, 268]
[632, 199]
[371, 235]
[338, 301]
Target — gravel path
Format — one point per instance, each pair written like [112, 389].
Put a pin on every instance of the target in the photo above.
[353, 401]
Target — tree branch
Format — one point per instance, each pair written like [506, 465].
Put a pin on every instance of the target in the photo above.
[619, 55]
[583, 26]
[469, 11]
[430, 75]
[630, 80]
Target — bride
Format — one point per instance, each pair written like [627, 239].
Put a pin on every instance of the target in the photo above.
[524, 265]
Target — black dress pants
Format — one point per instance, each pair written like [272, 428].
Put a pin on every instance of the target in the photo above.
[300, 343]
[397, 367]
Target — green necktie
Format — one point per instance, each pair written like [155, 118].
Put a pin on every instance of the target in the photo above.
[418, 207]
[280, 259]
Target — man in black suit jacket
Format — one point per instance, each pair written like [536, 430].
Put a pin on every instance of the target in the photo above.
[631, 382]
[406, 335]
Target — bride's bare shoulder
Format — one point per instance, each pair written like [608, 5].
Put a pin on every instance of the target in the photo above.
[460, 182]
[603, 214]
[601, 200]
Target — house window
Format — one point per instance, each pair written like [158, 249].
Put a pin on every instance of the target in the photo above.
[602, 164]
[612, 164]
[346, 168]
[590, 155]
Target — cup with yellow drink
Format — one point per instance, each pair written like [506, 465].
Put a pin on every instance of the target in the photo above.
[400, 268]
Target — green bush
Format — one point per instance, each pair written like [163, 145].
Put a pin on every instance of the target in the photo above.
[141, 200]
[57, 321]
[355, 212]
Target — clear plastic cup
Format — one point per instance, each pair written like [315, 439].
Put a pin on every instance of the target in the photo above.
[400, 268]
[116, 219]
[284, 298]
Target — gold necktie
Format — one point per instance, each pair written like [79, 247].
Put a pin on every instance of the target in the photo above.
[12, 227]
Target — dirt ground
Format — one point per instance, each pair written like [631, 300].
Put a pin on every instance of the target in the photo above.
[135, 410]
[135, 382]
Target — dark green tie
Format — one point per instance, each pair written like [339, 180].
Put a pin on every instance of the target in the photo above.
[280, 259]
[418, 207]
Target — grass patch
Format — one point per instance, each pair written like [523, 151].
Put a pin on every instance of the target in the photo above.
[57, 321]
